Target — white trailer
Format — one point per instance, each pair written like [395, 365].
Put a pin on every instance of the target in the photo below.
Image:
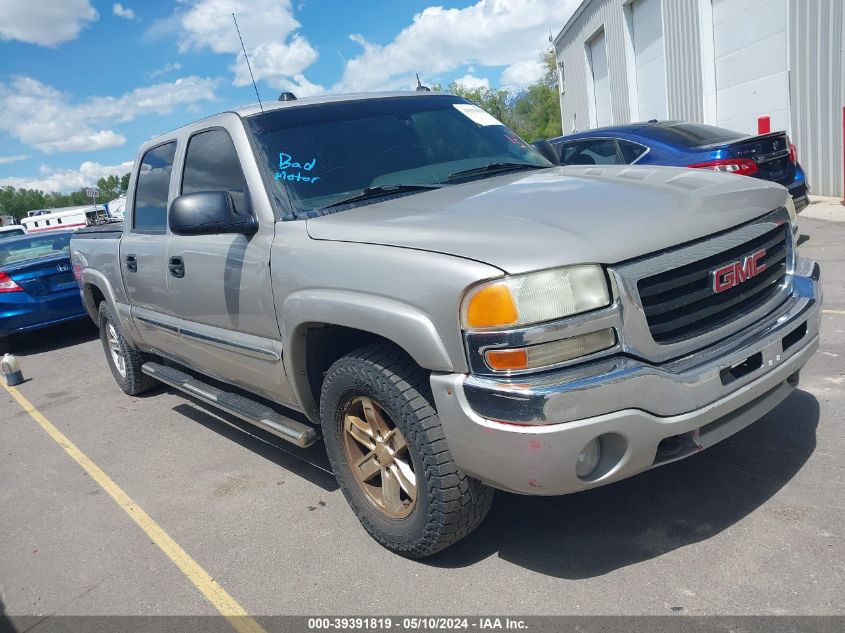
[64, 218]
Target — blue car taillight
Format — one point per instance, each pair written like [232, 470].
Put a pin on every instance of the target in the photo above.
[7, 284]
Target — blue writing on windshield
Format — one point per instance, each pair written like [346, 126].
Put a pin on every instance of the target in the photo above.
[292, 170]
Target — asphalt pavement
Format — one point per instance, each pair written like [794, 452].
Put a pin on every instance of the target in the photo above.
[753, 525]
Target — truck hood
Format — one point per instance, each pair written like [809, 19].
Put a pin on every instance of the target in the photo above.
[559, 216]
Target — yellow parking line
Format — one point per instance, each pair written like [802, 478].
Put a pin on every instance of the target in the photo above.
[833, 311]
[214, 593]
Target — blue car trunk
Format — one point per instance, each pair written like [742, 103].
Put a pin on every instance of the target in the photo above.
[771, 153]
[42, 277]
[49, 294]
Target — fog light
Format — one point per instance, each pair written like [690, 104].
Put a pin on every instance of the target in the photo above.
[588, 459]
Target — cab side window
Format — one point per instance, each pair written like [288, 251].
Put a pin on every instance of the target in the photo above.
[150, 213]
[212, 164]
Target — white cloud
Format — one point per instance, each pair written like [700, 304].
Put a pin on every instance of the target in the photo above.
[65, 180]
[167, 68]
[44, 22]
[299, 86]
[439, 40]
[123, 12]
[523, 73]
[472, 83]
[43, 117]
[85, 140]
[162, 98]
[278, 52]
[5, 160]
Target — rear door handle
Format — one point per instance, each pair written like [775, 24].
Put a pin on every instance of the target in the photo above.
[131, 264]
[177, 267]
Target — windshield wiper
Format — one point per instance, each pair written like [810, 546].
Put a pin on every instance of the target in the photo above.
[491, 168]
[377, 192]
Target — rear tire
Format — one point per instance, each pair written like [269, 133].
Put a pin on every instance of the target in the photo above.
[124, 361]
[5, 344]
[387, 450]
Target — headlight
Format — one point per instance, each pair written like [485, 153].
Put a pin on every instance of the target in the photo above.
[535, 297]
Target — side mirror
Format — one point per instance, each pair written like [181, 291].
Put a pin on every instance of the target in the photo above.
[548, 151]
[209, 213]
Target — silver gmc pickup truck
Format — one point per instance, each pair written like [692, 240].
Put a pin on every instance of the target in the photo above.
[403, 277]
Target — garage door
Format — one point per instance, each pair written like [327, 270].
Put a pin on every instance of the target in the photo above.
[749, 38]
[601, 111]
[647, 26]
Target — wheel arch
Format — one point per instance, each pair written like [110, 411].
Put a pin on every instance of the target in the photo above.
[95, 289]
[320, 328]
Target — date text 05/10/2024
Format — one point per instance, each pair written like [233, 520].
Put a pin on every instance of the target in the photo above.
[417, 623]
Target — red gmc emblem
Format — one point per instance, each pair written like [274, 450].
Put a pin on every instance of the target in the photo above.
[730, 275]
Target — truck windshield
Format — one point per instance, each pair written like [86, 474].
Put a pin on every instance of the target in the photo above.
[320, 154]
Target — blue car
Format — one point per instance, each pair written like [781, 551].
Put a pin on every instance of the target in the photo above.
[37, 286]
[682, 144]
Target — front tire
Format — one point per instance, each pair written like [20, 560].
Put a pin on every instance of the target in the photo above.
[124, 361]
[387, 450]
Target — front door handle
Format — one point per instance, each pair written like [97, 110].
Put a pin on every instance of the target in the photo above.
[177, 267]
[131, 264]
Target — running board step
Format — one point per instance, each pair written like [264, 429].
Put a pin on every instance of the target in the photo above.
[248, 410]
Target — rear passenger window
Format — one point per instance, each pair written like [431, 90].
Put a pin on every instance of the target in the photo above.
[591, 152]
[212, 164]
[630, 151]
[602, 152]
[151, 192]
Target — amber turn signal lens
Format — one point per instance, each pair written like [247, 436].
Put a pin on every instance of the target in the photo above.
[491, 306]
[507, 359]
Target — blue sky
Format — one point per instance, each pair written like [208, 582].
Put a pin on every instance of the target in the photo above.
[83, 82]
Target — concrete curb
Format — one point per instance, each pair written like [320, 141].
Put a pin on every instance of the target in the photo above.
[824, 208]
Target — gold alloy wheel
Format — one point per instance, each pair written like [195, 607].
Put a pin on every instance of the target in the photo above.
[378, 455]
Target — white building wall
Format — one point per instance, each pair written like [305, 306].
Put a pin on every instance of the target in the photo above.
[649, 72]
[678, 30]
[595, 15]
[728, 66]
[598, 82]
[751, 63]
[817, 90]
[683, 59]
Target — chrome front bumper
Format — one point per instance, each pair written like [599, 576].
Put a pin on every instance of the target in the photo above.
[524, 434]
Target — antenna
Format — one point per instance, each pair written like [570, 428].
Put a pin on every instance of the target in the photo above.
[420, 87]
[246, 57]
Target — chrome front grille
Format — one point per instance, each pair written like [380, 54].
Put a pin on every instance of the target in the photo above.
[668, 307]
[681, 303]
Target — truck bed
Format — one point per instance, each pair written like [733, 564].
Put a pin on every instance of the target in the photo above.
[97, 248]
[112, 231]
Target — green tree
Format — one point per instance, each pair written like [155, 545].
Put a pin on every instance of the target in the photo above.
[537, 113]
[550, 77]
[533, 115]
[493, 101]
[109, 188]
[17, 202]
